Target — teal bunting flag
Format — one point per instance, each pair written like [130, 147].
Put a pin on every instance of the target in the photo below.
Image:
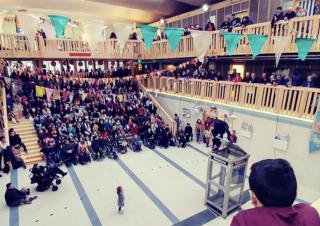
[256, 43]
[148, 33]
[174, 36]
[232, 41]
[59, 23]
[304, 46]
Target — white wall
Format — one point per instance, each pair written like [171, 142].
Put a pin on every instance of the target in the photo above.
[260, 146]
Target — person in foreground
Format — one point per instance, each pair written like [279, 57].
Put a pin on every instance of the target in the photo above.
[273, 188]
[15, 197]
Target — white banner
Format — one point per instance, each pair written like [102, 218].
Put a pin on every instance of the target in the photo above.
[93, 33]
[29, 25]
[201, 43]
[122, 31]
[280, 43]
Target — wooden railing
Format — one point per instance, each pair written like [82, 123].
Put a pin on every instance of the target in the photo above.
[15, 46]
[162, 112]
[291, 101]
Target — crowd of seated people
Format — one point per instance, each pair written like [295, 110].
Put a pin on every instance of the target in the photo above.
[92, 120]
[197, 72]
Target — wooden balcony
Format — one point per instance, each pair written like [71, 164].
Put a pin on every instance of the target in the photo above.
[296, 102]
[18, 46]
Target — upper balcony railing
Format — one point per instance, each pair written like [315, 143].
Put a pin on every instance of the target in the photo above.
[297, 102]
[18, 46]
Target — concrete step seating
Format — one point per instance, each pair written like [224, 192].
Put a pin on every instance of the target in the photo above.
[29, 137]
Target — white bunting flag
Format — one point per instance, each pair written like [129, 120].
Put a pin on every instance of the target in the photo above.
[201, 43]
[122, 31]
[280, 43]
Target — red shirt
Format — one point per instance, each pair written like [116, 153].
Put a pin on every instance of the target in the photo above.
[134, 130]
[297, 215]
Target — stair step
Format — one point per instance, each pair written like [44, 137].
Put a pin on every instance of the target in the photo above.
[29, 140]
[23, 129]
[34, 160]
[28, 134]
[30, 143]
[27, 121]
[33, 155]
[33, 146]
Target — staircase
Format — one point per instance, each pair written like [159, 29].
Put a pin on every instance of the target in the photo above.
[29, 137]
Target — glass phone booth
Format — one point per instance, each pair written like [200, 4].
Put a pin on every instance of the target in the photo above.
[225, 179]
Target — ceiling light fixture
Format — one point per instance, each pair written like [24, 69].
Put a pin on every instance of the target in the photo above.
[205, 7]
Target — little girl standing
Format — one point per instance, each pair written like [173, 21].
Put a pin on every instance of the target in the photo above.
[120, 199]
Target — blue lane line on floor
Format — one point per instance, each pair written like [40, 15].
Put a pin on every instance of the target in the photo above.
[14, 211]
[182, 170]
[197, 150]
[198, 219]
[149, 193]
[94, 219]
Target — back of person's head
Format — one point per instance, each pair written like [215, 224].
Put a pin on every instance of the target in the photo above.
[273, 182]
[8, 185]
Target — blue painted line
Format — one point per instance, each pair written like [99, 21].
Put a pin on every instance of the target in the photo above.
[182, 170]
[198, 219]
[149, 193]
[14, 211]
[94, 219]
[197, 150]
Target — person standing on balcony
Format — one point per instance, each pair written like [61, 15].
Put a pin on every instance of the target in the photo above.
[247, 78]
[290, 14]
[246, 21]
[264, 79]
[226, 24]
[210, 26]
[254, 78]
[316, 10]
[277, 16]
[309, 82]
[301, 12]
[235, 21]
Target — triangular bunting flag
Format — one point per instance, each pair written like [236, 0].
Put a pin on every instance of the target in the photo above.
[93, 33]
[48, 29]
[29, 26]
[304, 46]
[49, 93]
[40, 91]
[122, 31]
[148, 33]
[256, 43]
[280, 44]
[59, 23]
[232, 40]
[201, 43]
[7, 81]
[174, 36]
[56, 94]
